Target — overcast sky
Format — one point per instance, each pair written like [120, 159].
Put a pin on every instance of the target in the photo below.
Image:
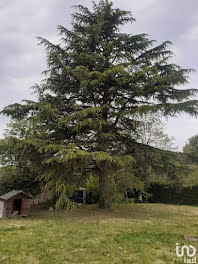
[22, 61]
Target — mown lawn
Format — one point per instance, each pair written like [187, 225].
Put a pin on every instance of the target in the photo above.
[134, 233]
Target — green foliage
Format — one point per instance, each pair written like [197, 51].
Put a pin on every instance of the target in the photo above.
[122, 183]
[92, 190]
[191, 178]
[98, 80]
[191, 152]
[154, 164]
[13, 178]
[192, 145]
[166, 193]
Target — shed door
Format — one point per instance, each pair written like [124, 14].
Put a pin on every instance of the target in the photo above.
[17, 205]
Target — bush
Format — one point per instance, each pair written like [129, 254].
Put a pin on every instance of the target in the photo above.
[13, 178]
[165, 193]
[92, 195]
[92, 191]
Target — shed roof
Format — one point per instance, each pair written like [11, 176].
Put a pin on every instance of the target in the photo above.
[13, 193]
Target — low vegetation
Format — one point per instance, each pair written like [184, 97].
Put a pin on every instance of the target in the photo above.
[133, 233]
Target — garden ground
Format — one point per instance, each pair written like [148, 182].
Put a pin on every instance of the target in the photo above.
[133, 233]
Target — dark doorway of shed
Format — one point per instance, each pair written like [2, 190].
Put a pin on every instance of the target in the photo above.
[77, 196]
[17, 205]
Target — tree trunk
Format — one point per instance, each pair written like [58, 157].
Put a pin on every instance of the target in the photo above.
[105, 191]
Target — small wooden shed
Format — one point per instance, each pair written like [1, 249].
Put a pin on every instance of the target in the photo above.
[15, 201]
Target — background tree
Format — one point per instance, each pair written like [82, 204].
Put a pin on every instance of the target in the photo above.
[98, 80]
[191, 152]
[192, 145]
[150, 131]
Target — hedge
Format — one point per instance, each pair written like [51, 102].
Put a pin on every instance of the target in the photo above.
[164, 193]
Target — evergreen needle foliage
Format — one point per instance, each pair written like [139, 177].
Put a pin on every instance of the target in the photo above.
[97, 81]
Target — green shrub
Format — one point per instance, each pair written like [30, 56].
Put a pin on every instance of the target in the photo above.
[165, 193]
[92, 191]
[92, 195]
[14, 178]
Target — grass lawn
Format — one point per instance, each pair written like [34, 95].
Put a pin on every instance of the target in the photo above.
[134, 233]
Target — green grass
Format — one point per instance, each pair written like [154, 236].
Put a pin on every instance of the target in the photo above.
[134, 233]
